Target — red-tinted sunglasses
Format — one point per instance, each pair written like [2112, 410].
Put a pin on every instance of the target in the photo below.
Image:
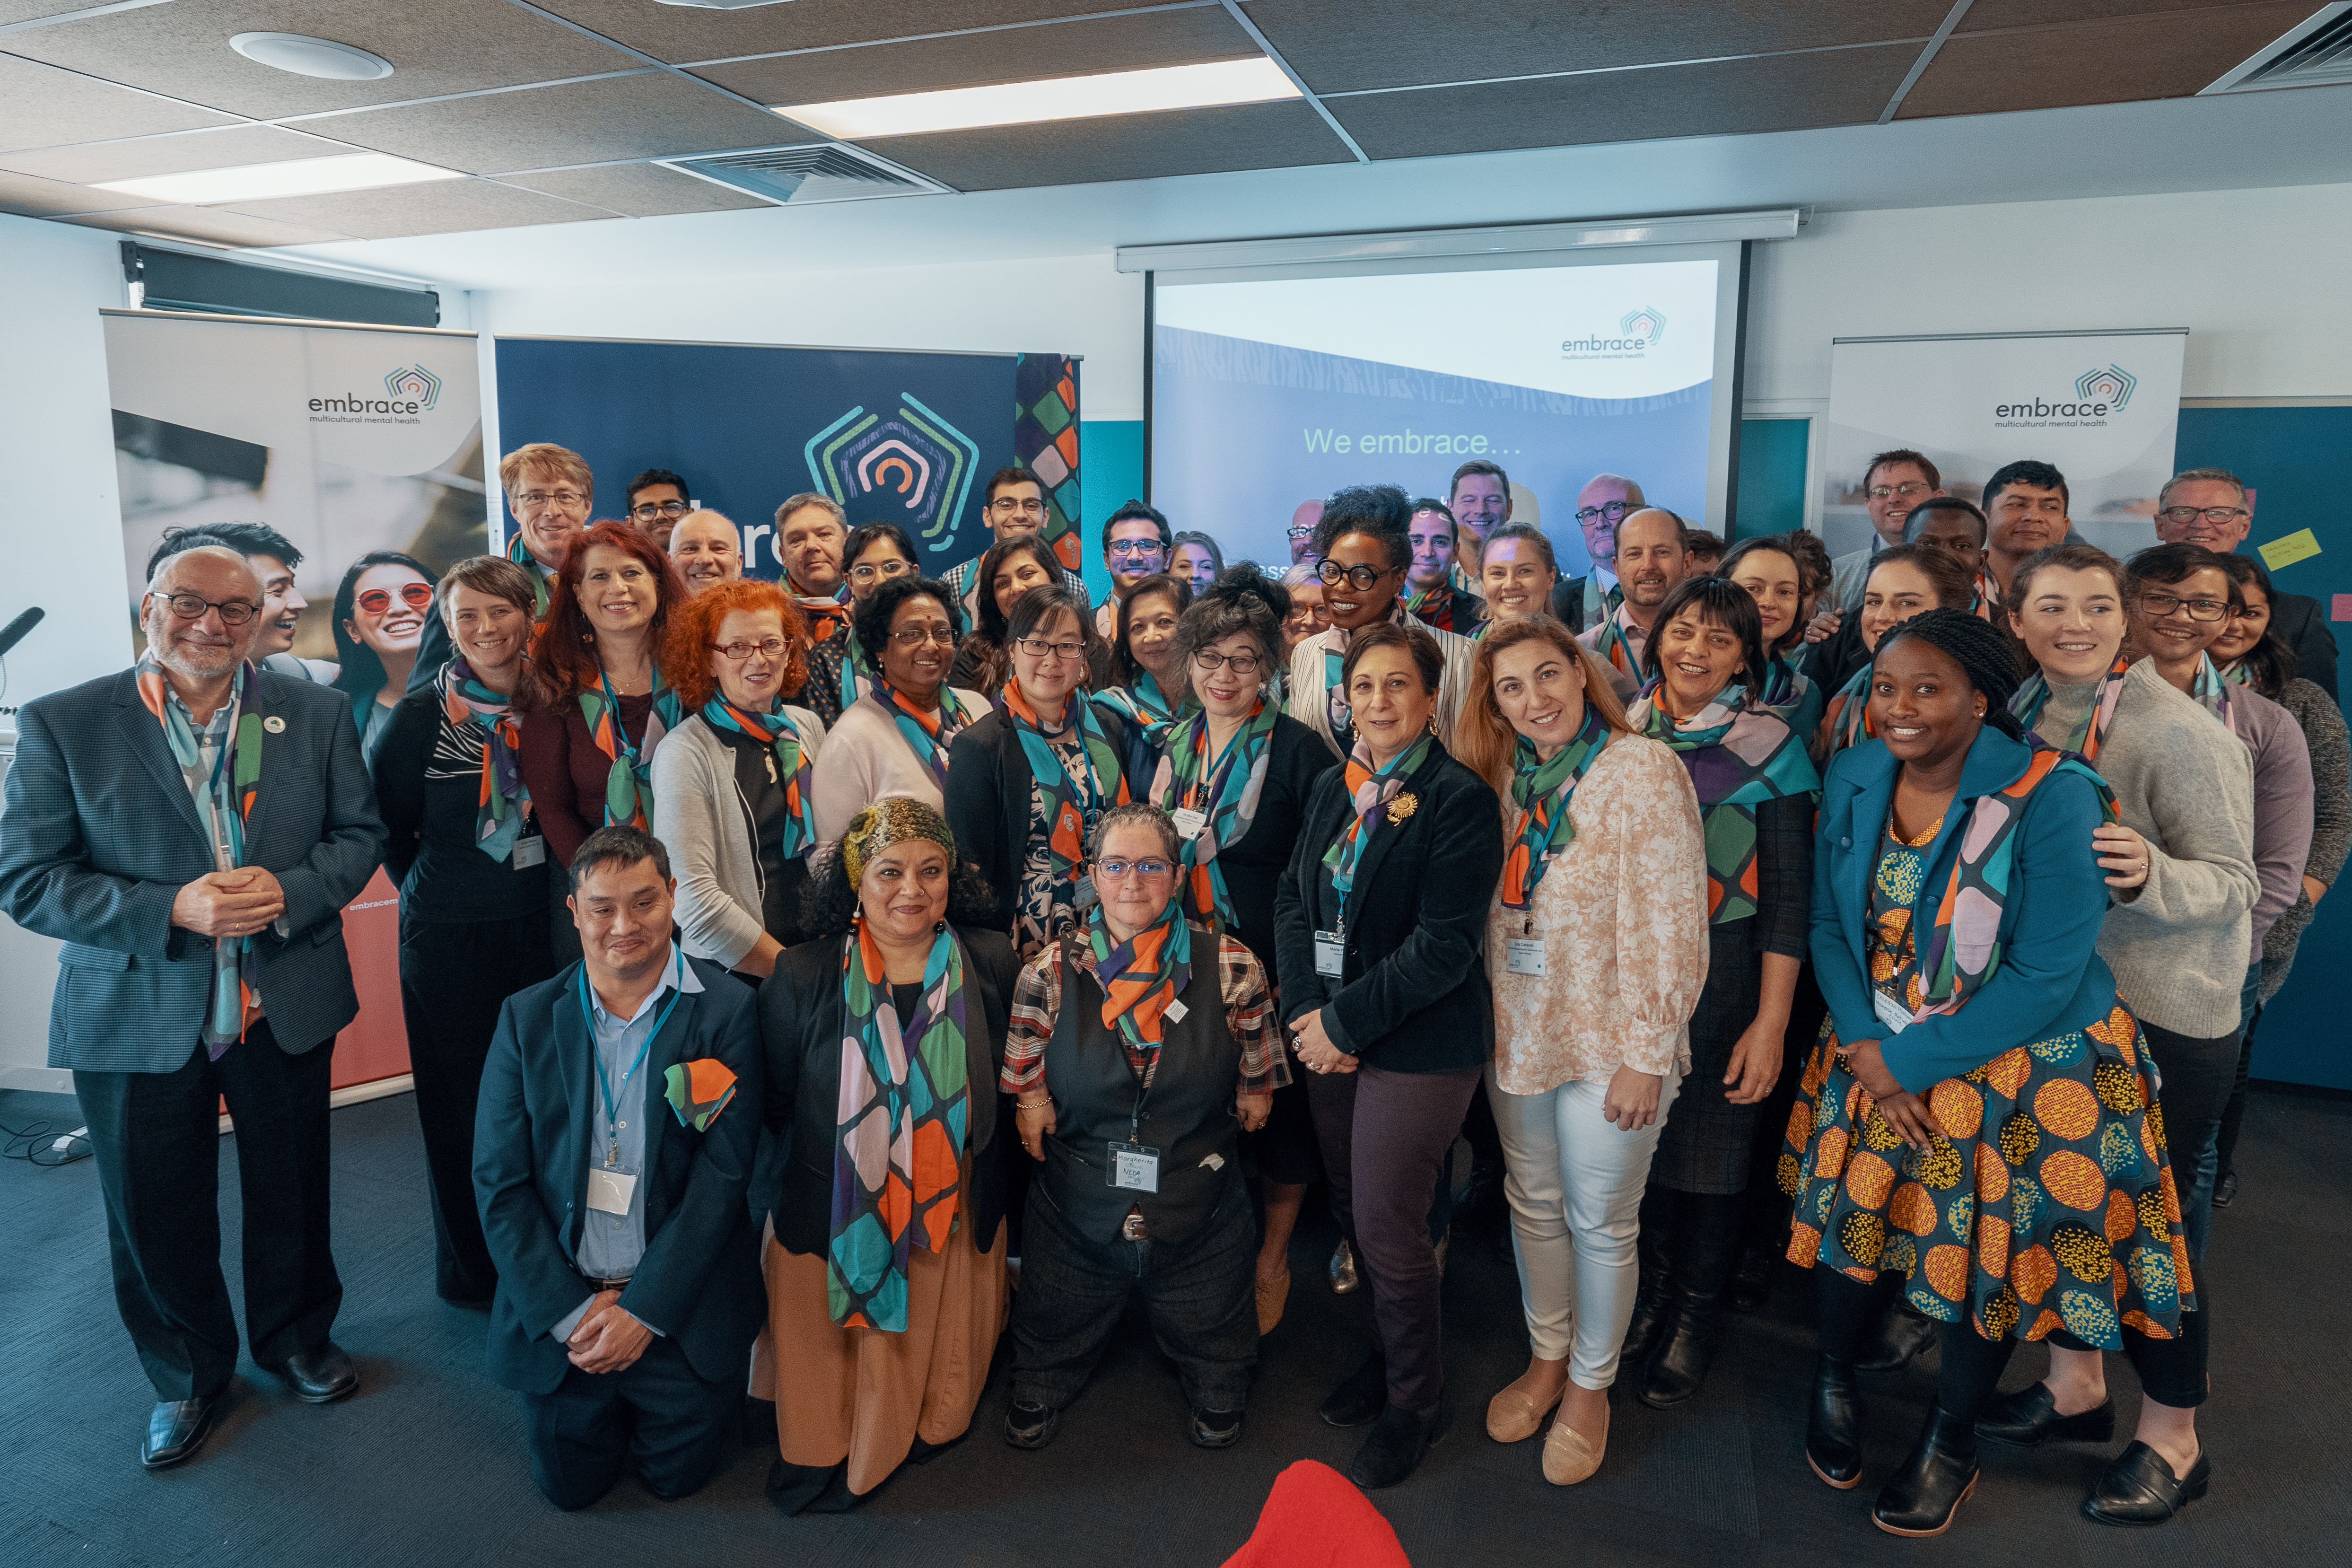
[415, 596]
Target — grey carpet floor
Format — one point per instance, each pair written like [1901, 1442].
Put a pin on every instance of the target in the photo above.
[427, 1465]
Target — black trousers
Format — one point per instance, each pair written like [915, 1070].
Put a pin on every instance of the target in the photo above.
[156, 1137]
[656, 1412]
[453, 979]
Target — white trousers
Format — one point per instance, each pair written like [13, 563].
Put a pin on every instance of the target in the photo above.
[1575, 1181]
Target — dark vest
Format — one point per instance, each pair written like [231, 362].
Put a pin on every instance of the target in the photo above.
[1187, 1115]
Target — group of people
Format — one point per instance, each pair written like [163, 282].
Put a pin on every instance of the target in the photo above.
[778, 959]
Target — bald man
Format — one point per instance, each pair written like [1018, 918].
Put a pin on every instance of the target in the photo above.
[706, 549]
[1649, 561]
[1302, 532]
[1601, 505]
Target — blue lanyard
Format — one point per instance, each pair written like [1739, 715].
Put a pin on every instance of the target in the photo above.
[588, 1012]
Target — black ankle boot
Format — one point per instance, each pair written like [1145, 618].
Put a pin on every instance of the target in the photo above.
[1903, 1333]
[1921, 1497]
[1653, 1302]
[1709, 1240]
[1399, 1440]
[1834, 1427]
[1751, 1283]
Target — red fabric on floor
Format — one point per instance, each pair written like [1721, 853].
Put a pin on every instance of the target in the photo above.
[1315, 1518]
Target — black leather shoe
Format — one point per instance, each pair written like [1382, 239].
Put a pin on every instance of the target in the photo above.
[1028, 1426]
[2139, 1487]
[1360, 1398]
[2030, 1417]
[2225, 1191]
[321, 1375]
[1394, 1450]
[1215, 1429]
[1921, 1497]
[1834, 1427]
[1902, 1334]
[1751, 1283]
[1678, 1370]
[176, 1428]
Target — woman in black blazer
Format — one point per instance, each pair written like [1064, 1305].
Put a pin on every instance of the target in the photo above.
[1380, 925]
[862, 1372]
[1026, 782]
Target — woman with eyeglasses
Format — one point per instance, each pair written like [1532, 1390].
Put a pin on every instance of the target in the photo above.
[2182, 887]
[1007, 569]
[1233, 774]
[1380, 924]
[838, 671]
[380, 609]
[1308, 614]
[1142, 1046]
[1516, 575]
[734, 790]
[894, 740]
[1027, 783]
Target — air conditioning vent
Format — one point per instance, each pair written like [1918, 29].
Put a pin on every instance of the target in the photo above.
[2316, 52]
[818, 171]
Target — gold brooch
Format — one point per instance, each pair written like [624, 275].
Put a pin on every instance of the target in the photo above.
[1402, 807]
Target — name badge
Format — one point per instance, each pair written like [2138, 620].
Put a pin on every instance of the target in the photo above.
[1188, 822]
[1134, 1167]
[529, 852]
[1891, 1013]
[1525, 955]
[1331, 953]
[609, 1191]
[1174, 1013]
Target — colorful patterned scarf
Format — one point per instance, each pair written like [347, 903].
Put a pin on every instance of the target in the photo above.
[1740, 756]
[1846, 719]
[505, 801]
[1369, 789]
[898, 1137]
[1070, 804]
[856, 670]
[1597, 600]
[1227, 796]
[2084, 741]
[227, 798]
[1541, 787]
[928, 735]
[2211, 690]
[1785, 689]
[791, 766]
[2238, 672]
[522, 557]
[1139, 976]
[1986, 606]
[1614, 642]
[825, 613]
[1440, 604]
[1337, 708]
[629, 783]
[1143, 704]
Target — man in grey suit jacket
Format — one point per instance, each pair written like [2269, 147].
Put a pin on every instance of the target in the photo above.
[191, 829]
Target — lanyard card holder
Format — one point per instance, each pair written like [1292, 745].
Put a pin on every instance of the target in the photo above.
[1134, 1168]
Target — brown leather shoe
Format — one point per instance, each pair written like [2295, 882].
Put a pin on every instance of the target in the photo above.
[1514, 1417]
[1569, 1456]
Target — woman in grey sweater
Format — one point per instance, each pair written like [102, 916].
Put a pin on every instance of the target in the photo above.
[2179, 927]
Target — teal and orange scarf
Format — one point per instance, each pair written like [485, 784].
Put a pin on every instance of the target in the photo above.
[856, 670]
[1369, 789]
[1070, 804]
[1739, 755]
[1139, 976]
[522, 557]
[1337, 708]
[1846, 720]
[1441, 604]
[825, 613]
[1225, 793]
[1542, 787]
[504, 804]
[629, 783]
[928, 735]
[2088, 735]
[899, 1136]
[227, 794]
[1142, 703]
[1613, 639]
[791, 765]
[2209, 690]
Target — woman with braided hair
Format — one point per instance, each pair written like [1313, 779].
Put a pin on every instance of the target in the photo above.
[1979, 1132]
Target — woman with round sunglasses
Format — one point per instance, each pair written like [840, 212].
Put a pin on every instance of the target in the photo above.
[894, 738]
[380, 609]
[838, 672]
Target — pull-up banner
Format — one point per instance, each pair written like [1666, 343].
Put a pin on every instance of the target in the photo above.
[2101, 407]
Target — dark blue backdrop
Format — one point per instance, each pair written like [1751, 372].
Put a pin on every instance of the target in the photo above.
[907, 438]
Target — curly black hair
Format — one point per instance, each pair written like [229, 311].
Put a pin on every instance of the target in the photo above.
[829, 898]
[1984, 655]
[1382, 512]
[871, 622]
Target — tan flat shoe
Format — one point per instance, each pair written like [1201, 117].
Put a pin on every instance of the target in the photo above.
[1568, 1458]
[1272, 1294]
[1514, 1417]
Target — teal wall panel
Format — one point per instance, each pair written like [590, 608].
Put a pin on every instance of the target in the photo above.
[1771, 476]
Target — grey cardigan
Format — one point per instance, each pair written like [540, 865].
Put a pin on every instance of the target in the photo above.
[2178, 943]
[2331, 819]
[701, 821]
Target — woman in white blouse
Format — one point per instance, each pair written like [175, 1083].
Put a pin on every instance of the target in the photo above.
[1597, 948]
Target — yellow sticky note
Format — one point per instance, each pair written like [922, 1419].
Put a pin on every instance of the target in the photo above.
[2288, 549]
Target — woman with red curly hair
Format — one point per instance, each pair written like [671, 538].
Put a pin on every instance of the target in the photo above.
[732, 801]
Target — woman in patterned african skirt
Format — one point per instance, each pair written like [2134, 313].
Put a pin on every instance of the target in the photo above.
[1980, 1134]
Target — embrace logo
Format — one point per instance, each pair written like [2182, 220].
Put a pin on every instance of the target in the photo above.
[414, 384]
[1645, 323]
[2112, 386]
[2097, 394]
[1639, 331]
[912, 457]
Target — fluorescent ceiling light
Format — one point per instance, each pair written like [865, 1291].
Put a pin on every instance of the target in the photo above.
[292, 177]
[1257, 80]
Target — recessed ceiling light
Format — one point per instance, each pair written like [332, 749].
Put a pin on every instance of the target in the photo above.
[311, 57]
[720, 4]
[1257, 80]
[293, 177]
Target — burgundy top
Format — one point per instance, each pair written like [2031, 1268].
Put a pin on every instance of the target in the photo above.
[566, 772]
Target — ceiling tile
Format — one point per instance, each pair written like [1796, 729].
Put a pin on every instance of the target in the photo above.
[224, 149]
[1011, 54]
[1347, 46]
[213, 226]
[2112, 61]
[1991, 15]
[447, 206]
[637, 190]
[1781, 92]
[682, 33]
[12, 11]
[36, 197]
[52, 108]
[1120, 147]
[655, 114]
[436, 47]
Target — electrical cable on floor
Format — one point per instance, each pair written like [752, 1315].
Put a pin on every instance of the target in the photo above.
[40, 1144]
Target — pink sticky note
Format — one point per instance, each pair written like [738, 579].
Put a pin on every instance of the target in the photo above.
[2342, 609]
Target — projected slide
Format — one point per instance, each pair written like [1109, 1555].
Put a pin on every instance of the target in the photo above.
[1268, 394]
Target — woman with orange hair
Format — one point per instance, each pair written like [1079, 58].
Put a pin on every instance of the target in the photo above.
[732, 801]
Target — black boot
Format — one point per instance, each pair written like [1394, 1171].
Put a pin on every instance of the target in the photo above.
[1903, 1333]
[1394, 1449]
[1751, 1283]
[1921, 1497]
[1834, 1427]
[1702, 1254]
[1653, 1302]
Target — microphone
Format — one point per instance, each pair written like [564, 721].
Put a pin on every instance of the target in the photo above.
[14, 632]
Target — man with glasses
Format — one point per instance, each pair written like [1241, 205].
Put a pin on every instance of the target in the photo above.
[1015, 509]
[1135, 544]
[1600, 506]
[706, 549]
[1651, 560]
[1301, 534]
[1893, 483]
[2212, 507]
[549, 491]
[811, 528]
[657, 500]
[191, 829]
[1434, 594]
[273, 558]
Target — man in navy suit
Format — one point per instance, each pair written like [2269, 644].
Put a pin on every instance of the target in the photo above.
[613, 1149]
[191, 829]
